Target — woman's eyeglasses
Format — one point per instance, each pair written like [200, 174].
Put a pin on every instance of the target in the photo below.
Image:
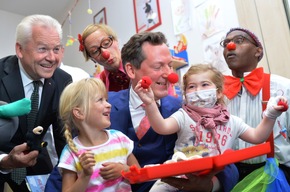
[105, 44]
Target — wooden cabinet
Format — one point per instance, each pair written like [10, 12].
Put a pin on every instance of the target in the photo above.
[267, 18]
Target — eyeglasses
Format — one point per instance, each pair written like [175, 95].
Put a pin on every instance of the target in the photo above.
[44, 49]
[105, 44]
[238, 40]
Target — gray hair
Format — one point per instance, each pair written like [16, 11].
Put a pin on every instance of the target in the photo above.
[24, 28]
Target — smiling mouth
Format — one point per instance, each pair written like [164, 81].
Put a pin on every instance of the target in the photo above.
[106, 114]
[159, 83]
[46, 65]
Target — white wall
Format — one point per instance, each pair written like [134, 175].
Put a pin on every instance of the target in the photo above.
[120, 16]
[8, 22]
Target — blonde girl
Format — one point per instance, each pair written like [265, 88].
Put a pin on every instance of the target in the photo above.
[94, 159]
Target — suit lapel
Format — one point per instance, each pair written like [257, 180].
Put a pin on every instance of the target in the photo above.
[15, 90]
[121, 107]
[123, 101]
[13, 84]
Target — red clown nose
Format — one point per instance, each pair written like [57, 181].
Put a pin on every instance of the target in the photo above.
[231, 46]
[172, 78]
[106, 54]
[285, 105]
[146, 82]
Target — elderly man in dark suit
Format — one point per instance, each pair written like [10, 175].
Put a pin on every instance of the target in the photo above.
[34, 67]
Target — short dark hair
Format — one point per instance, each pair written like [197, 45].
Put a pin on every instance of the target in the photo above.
[132, 51]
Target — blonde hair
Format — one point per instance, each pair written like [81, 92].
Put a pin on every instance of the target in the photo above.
[78, 94]
[216, 77]
[93, 28]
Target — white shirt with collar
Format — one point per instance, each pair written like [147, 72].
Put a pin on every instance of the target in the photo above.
[28, 84]
[136, 110]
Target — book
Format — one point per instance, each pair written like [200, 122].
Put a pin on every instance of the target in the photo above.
[36, 183]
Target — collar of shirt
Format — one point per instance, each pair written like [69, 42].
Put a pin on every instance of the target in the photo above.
[136, 110]
[26, 81]
[135, 100]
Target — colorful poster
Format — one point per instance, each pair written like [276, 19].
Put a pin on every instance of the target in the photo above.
[180, 16]
[210, 18]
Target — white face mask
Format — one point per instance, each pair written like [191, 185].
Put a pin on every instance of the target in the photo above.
[203, 98]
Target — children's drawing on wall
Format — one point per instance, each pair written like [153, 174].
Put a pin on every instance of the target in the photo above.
[180, 57]
[147, 14]
[180, 16]
[150, 14]
[196, 3]
[210, 18]
[213, 53]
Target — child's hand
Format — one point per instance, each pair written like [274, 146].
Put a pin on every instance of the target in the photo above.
[276, 106]
[145, 94]
[87, 161]
[112, 170]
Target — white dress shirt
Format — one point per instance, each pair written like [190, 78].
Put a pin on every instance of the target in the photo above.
[136, 110]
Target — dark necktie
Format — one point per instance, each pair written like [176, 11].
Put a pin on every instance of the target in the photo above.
[31, 118]
[18, 175]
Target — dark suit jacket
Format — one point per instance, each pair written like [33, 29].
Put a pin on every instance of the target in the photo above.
[11, 89]
[152, 148]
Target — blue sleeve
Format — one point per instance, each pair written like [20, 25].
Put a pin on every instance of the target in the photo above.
[228, 177]
[54, 181]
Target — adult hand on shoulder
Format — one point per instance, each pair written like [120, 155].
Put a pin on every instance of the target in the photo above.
[19, 156]
[193, 182]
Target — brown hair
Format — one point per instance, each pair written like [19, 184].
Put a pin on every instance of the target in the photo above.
[132, 51]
